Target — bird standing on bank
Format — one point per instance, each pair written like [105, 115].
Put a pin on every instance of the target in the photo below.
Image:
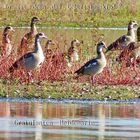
[124, 40]
[94, 66]
[28, 38]
[6, 47]
[131, 53]
[48, 51]
[73, 52]
[31, 60]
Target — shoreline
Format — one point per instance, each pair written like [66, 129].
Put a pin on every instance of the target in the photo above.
[59, 90]
[68, 101]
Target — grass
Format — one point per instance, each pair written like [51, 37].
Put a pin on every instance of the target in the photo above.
[70, 13]
[73, 90]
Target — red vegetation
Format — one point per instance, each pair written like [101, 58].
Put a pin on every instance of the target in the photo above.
[55, 68]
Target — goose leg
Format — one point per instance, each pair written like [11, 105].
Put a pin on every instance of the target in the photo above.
[93, 79]
[30, 79]
[135, 69]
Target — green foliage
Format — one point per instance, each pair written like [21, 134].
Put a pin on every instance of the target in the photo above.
[73, 90]
[70, 13]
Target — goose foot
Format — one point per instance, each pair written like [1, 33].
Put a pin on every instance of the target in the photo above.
[93, 80]
[30, 78]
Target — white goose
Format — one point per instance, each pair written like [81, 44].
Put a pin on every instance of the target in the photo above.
[31, 60]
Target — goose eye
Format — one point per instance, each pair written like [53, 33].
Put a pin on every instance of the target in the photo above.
[8, 28]
[40, 34]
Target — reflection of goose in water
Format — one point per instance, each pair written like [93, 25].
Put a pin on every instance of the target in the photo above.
[38, 118]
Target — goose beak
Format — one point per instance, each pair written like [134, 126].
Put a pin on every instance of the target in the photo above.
[136, 23]
[45, 37]
[53, 43]
[12, 30]
[105, 46]
[78, 43]
[37, 19]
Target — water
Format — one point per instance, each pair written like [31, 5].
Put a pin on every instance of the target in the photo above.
[69, 121]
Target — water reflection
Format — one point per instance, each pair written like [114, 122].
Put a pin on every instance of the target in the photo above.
[69, 121]
[38, 117]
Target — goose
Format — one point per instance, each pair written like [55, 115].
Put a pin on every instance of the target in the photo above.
[31, 60]
[6, 47]
[73, 53]
[124, 40]
[49, 52]
[96, 65]
[131, 52]
[28, 37]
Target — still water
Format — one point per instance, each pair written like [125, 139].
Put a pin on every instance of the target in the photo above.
[69, 121]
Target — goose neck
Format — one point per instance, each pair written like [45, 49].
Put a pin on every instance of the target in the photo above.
[33, 27]
[37, 45]
[131, 33]
[5, 39]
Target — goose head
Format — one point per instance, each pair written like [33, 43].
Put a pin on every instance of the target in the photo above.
[75, 42]
[41, 35]
[50, 42]
[100, 46]
[8, 29]
[131, 24]
[35, 19]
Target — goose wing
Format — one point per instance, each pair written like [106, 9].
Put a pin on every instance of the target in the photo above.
[120, 43]
[21, 62]
[87, 65]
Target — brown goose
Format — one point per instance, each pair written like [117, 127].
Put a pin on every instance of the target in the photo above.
[73, 53]
[49, 52]
[6, 47]
[132, 52]
[124, 40]
[28, 37]
[96, 65]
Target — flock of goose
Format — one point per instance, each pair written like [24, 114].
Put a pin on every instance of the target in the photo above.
[34, 59]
